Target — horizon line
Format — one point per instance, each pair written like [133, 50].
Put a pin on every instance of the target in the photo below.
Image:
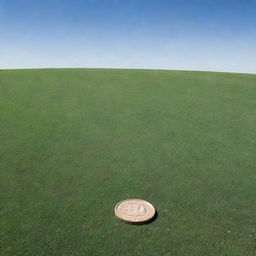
[118, 68]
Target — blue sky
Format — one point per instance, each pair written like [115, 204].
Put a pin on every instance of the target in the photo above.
[217, 35]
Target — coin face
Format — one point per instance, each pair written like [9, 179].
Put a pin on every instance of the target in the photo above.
[135, 211]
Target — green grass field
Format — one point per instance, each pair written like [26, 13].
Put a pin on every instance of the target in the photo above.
[74, 142]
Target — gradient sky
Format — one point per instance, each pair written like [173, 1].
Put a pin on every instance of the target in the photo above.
[217, 35]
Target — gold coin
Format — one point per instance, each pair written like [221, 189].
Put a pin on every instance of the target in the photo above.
[135, 211]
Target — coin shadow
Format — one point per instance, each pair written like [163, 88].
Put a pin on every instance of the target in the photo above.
[149, 221]
[153, 219]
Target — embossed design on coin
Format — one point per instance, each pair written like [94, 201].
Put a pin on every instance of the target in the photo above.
[134, 211]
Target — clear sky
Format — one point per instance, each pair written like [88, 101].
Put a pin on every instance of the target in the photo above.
[163, 34]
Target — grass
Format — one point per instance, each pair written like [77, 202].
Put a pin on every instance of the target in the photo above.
[74, 142]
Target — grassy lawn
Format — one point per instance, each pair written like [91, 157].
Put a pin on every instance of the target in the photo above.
[74, 142]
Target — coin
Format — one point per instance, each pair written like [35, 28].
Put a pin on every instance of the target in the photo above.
[135, 211]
